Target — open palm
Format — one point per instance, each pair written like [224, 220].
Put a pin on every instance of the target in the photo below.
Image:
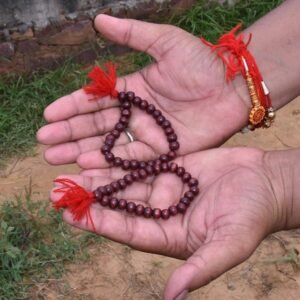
[235, 210]
[185, 81]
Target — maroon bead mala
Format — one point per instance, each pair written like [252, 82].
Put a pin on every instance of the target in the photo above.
[78, 200]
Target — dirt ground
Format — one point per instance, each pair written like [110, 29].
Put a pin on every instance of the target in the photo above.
[118, 272]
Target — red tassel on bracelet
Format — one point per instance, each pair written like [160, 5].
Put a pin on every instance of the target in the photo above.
[235, 55]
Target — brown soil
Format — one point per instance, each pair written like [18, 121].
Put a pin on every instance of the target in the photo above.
[118, 272]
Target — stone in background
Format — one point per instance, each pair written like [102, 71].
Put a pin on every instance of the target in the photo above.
[40, 34]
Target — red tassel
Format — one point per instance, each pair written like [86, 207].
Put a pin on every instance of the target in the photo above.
[103, 82]
[235, 49]
[75, 198]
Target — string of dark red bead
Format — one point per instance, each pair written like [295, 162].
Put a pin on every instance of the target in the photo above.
[142, 169]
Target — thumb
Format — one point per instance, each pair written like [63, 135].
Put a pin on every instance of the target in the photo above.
[206, 264]
[139, 35]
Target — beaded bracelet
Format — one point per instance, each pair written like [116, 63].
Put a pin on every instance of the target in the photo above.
[78, 200]
[239, 59]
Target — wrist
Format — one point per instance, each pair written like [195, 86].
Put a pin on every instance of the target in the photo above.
[275, 47]
[283, 172]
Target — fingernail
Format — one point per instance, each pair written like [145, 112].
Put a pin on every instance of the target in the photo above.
[182, 295]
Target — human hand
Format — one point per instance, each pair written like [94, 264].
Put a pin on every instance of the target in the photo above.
[240, 202]
[186, 82]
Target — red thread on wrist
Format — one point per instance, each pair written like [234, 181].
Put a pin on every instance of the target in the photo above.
[237, 58]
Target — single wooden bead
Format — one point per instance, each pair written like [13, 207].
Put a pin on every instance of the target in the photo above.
[168, 130]
[122, 96]
[185, 201]
[125, 164]
[122, 184]
[147, 212]
[130, 207]
[136, 100]
[180, 171]
[149, 170]
[109, 157]
[115, 133]
[135, 175]
[165, 124]
[143, 105]
[157, 169]
[164, 158]
[98, 195]
[119, 126]
[189, 195]
[186, 177]
[128, 178]
[172, 137]
[174, 146]
[157, 162]
[124, 120]
[150, 109]
[113, 203]
[165, 214]
[165, 167]
[104, 201]
[193, 182]
[134, 164]
[126, 105]
[109, 143]
[139, 210]
[181, 207]
[108, 189]
[102, 190]
[173, 167]
[126, 113]
[118, 161]
[105, 148]
[130, 95]
[142, 173]
[195, 190]
[171, 155]
[173, 210]
[160, 120]
[143, 164]
[122, 204]
[115, 185]
[156, 113]
[156, 213]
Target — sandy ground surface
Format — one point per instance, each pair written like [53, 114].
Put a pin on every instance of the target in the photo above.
[118, 272]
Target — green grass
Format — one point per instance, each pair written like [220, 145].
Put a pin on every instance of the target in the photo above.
[23, 100]
[35, 244]
[210, 19]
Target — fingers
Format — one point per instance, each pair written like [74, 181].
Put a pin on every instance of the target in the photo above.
[78, 127]
[142, 36]
[207, 263]
[78, 103]
[67, 153]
